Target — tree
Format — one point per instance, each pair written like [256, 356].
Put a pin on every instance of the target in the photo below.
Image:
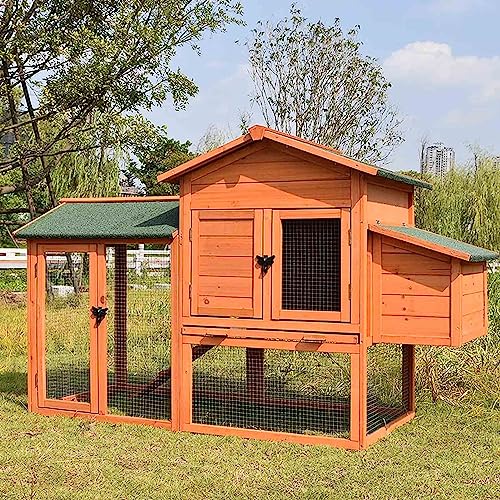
[464, 204]
[312, 80]
[154, 155]
[75, 75]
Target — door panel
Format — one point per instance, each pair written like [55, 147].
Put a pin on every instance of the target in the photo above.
[225, 280]
[66, 329]
[311, 275]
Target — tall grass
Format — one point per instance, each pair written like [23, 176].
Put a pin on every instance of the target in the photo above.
[464, 204]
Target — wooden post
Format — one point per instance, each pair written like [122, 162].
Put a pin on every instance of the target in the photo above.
[120, 315]
[409, 377]
[255, 373]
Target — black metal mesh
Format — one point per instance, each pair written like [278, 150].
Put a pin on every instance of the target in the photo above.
[67, 326]
[273, 390]
[311, 264]
[138, 332]
[388, 388]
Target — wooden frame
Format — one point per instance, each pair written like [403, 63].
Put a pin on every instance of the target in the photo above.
[186, 423]
[43, 400]
[278, 313]
[257, 280]
[37, 392]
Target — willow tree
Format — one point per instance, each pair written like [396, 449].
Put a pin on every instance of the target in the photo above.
[464, 204]
[312, 80]
[74, 76]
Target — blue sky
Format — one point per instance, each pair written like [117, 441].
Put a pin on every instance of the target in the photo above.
[441, 56]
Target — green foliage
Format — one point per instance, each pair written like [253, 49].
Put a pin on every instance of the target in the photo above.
[13, 280]
[95, 66]
[155, 153]
[464, 204]
[312, 80]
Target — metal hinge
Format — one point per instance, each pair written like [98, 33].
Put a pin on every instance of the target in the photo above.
[190, 234]
[349, 237]
[36, 270]
[36, 379]
[349, 291]
[190, 289]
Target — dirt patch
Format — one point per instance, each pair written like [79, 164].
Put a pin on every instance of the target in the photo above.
[13, 298]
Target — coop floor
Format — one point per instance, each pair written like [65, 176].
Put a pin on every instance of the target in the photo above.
[235, 407]
[135, 400]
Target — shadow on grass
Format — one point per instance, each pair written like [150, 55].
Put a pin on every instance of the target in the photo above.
[13, 383]
[13, 388]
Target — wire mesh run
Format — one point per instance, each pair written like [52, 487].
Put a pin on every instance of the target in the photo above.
[388, 386]
[311, 264]
[138, 322]
[273, 390]
[67, 326]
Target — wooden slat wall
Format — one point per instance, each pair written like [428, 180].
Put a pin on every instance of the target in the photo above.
[270, 178]
[474, 301]
[388, 205]
[415, 291]
[223, 266]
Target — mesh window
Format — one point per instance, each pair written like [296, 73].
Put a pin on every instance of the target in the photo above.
[282, 391]
[311, 264]
[67, 326]
[138, 322]
[387, 386]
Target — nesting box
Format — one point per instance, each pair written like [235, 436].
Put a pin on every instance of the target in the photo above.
[300, 287]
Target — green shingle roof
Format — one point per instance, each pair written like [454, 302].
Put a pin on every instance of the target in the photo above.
[106, 220]
[475, 254]
[389, 174]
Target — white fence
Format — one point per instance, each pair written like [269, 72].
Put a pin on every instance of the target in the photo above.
[13, 258]
[154, 260]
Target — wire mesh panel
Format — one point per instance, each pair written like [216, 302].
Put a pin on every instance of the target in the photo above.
[138, 284]
[311, 264]
[387, 386]
[67, 331]
[272, 390]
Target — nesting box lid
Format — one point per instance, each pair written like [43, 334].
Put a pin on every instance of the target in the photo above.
[436, 242]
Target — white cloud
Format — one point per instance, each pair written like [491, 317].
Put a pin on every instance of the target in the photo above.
[432, 64]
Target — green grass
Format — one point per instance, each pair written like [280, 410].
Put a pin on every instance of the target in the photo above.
[451, 449]
[446, 452]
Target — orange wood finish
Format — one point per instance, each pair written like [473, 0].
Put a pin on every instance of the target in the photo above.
[43, 399]
[276, 271]
[119, 199]
[387, 205]
[421, 296]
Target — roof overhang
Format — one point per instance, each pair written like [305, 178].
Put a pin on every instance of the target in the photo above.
[435, 242]
[259, 133]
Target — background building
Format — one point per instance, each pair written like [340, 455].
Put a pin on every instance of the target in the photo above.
[438, 159]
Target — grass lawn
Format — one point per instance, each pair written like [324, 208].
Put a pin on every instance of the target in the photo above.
[449, 451]
[446, 452]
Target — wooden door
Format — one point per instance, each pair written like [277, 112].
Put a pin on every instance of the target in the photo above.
[311, 273]
[225, 280]
[67, 331]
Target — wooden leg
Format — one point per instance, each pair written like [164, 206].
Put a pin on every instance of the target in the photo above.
[359, 391]
[255, 373]
[120, 315]
[409, 377]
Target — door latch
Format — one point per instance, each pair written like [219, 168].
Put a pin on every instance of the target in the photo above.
[265, 262]
[99, 313]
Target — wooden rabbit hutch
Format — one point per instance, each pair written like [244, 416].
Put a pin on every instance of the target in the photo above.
[296, 290]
